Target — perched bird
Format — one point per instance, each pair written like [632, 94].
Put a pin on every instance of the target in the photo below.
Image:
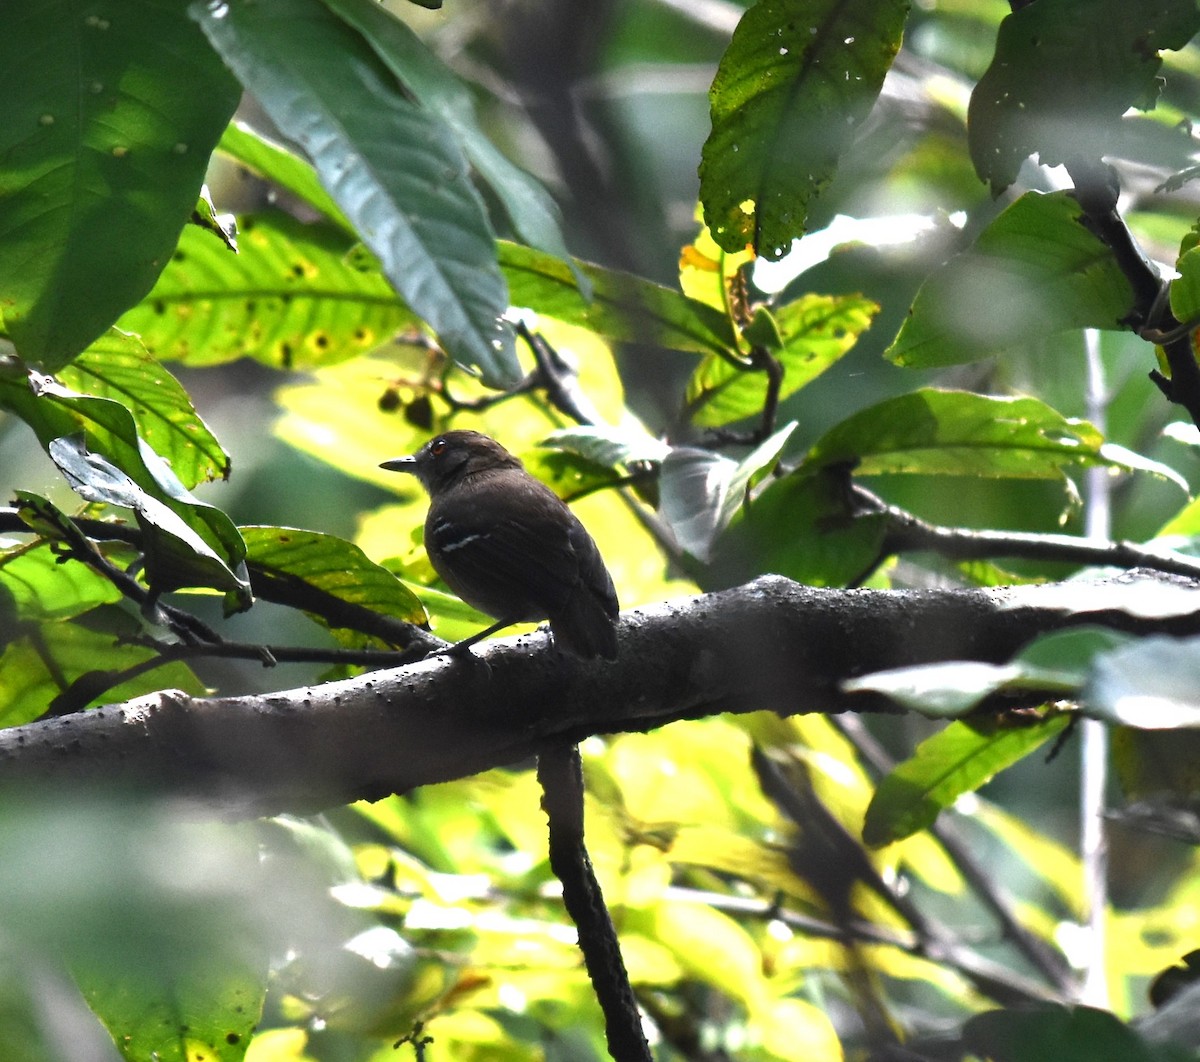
[507, 545]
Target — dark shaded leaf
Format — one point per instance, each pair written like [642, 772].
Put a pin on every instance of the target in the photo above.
[393, 167]
[107, 121]
[795, 82]
[1063, 75]
[1034, 271]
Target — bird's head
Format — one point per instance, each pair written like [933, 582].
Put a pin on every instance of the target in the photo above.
[452, 456]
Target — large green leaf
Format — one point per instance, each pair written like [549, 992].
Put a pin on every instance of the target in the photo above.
[623, 306]
[1035, 270]
[961, 433]
[814, 332]
[117, 366]
[1063, 75]
[291, 298]
[393, 167]
[107, 119]
[207, 1012]
[328, 565]
[534, 215]
[956, 760]
[795, 82]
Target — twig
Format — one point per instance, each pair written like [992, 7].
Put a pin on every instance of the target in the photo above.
[1045, 959]
[560, 773]
[907, 533]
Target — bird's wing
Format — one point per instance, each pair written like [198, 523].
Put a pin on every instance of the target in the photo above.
[516, 559]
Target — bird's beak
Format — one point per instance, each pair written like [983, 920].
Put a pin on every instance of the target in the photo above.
[401, 464]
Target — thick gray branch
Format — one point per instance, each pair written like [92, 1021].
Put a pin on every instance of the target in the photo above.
[771, 644]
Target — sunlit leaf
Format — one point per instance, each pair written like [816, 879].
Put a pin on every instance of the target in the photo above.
[815, 330]
[117, 366]
[329, 565]
[291, 299]
[960, 433]
[622, 306]
[955, 760]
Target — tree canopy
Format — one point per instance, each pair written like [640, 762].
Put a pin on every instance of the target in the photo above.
[861, 335]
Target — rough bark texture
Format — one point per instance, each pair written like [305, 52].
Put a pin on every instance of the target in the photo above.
[771, 644]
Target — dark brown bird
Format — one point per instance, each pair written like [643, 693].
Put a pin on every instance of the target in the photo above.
[507, 545]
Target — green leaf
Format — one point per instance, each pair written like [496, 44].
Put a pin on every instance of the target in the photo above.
[796, 81]
[1185, 289]
[275, 163]
[331, 566]
[623, 306]
[1035, 270]
[176, 552]
[392, 166]
[960, 433]
[105, 429]
[1050, 1032]
[116, 366]
[42, 588]
[956, 760]
[107, 121]
[207, 1012]
[700, 491]
[799, 527]
[1063, 75]
[1151, 684]
[290, 299]
[534, 215]
[815, 331]
[36, 668]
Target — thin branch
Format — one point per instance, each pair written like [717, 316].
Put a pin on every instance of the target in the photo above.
[560, 772]
[1048, 961]
[907, 533]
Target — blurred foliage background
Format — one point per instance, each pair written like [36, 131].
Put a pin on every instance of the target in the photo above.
[750, 931]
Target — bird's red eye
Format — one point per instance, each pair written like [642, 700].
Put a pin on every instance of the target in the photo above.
[437, 447]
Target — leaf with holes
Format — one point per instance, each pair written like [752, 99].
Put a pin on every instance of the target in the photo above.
[1063, 75]
[291, 299]
[330, 567]
[796, 81]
